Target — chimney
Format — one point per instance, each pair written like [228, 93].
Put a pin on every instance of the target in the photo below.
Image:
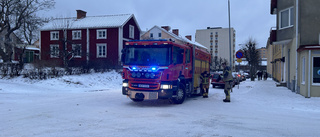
[175, 31]
[81, 14]
[189, 37]
[167, 28]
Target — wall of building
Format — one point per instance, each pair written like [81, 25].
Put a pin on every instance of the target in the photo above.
[112, 42]
[309, 16]
[290, 64]
[270, 58]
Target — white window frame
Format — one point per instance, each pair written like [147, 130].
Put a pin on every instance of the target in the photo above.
[54, 47]
[290, 21]
[131, 31]
[54, 35]
[79, 55]
[314, 84]
[99, 36]
[98, 50]
[76, 34]
[303, 72]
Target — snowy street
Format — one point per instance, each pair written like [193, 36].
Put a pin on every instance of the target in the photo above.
[92, 105]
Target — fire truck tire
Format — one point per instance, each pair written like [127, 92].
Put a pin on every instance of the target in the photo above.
[181, 95]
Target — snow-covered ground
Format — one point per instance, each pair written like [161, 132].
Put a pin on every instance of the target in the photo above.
[92, 105]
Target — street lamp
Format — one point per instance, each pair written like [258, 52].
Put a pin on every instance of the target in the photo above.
[229, 35]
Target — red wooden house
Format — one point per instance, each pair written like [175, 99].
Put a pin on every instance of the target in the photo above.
[94, 40]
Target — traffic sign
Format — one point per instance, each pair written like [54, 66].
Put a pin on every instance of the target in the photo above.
[239, 54]
[239, 60]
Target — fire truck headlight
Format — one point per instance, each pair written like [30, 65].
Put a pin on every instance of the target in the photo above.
[147, 75]
[134, 74]
[165, 86]
[138, 74]
[125, 85]
[152, 75]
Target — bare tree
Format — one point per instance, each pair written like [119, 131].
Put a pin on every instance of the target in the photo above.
[12, 17]
[67, 55]
[214, 63]
[29, 31]
[252, 57]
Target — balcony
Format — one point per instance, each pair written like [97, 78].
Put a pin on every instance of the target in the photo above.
[273, 35]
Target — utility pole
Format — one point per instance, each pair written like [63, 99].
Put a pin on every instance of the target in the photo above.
[229, 35]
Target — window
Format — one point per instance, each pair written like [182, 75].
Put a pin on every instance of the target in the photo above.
[54, 35]
[177, 55]
[159, 35]
[76, 34]
[286, 18]
[54, 51]
[316, 70]
[303, 70]
[101, 50]
[131, 31]
[76, 50]
[151, 35]
[102, 34]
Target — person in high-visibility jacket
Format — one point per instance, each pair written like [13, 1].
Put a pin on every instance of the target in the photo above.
[228, 81]
[205, 83]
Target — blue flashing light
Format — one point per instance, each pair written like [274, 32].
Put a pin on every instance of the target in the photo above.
[134, 68]
[153, 68]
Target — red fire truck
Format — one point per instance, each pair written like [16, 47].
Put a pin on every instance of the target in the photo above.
[161, 69]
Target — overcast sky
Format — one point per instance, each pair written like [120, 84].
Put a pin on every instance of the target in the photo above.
[250, 18]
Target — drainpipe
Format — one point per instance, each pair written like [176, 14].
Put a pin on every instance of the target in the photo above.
[297, 44]
[88, 46]
[309, 75]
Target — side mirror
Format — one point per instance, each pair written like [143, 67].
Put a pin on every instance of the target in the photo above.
[123, 55]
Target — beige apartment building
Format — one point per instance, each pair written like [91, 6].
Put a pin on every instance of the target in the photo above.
[217, 41]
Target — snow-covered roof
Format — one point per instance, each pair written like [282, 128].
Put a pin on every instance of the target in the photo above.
[106, 21]
[32, 48]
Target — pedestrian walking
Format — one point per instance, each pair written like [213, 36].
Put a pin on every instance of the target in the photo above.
[260, 75]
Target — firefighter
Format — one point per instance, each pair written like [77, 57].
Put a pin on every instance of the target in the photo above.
[228, 81]
[205, 83]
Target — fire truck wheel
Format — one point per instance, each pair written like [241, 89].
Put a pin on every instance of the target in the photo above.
[181, 95]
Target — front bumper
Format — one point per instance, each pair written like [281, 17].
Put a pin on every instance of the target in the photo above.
[149, 94]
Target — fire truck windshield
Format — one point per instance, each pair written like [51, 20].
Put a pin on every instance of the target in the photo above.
[147, 55]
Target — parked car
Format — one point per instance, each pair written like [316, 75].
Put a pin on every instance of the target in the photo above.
[214, 77]
[236, 78]
[246, 75]
[243, 76]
